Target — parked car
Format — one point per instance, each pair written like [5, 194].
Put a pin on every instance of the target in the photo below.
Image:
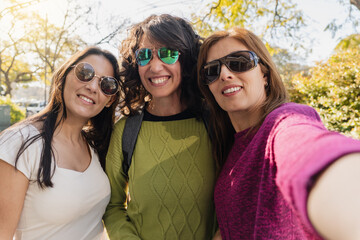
[21, 104]
[34, 107]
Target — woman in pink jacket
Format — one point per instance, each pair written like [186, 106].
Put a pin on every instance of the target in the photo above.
[283, 174]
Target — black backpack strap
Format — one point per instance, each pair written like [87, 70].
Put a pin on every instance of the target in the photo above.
[205, 115]
[129, 137]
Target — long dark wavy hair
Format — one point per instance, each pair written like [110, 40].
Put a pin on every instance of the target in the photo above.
[276, 94]
[169, 31]
[97, 131]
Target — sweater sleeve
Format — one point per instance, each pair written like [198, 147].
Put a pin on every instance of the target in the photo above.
[301, 148]
[117, 222]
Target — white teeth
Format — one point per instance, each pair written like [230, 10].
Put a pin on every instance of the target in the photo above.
[86, 99]
[158, 80]
[231, 90]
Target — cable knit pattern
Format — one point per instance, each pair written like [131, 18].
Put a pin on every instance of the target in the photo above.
[262, 190]
[171, 181]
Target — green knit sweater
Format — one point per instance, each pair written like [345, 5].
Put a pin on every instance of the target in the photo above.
[171, 182]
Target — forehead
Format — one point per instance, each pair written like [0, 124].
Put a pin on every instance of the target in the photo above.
[224, 47]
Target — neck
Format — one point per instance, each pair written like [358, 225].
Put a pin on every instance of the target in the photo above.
[70, 129]
[165, 107]
[242, 120]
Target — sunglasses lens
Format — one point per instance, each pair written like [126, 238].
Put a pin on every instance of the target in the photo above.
[84, 72]
[109, 85]
[167, 55]
[240, 61]
[143, 56]
[211, 72]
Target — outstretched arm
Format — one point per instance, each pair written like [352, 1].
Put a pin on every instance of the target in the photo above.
[334, 201]
[318, 173]
[13, 187]
[217, 235]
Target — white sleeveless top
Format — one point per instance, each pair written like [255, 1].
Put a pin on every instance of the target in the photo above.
[72, 209]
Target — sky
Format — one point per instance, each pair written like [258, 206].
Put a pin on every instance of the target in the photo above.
[321, 13]
[318, 12]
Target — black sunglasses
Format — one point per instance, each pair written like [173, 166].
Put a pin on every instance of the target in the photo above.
[84, 72]
[240, 61]
[165, 54]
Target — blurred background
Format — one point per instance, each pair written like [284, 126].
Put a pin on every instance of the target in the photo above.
[315, 44]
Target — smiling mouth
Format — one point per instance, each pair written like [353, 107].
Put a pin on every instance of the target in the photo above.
[86, 99]
[159, 80]
[231, 90]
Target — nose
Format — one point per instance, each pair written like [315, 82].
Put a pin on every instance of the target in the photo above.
[225, 73]
[156, 65]
[93, 85]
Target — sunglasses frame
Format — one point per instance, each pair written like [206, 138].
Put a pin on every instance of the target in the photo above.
[222, 61]
[100, 78]
[158, 54]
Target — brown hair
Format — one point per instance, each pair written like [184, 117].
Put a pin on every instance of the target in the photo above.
[276, 94]
[170, 31]
[98, 130]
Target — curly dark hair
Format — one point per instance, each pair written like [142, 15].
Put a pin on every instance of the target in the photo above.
[170, 31]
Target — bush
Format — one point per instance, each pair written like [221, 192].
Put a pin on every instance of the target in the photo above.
[333, 89]
[16, 113]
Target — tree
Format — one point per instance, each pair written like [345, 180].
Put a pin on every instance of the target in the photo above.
[350, 42]
[288, 64]
[105, 30]
[16, 6]
[268, 18]
[11, 68]
[14, 71]
[333, 89]
[356, 3]
[53, 44]
[336, 24]
[30, 37]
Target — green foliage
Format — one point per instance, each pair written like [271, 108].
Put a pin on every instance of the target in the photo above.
[272, 18]
[16, 113]
[18, 70]
[333, 89]
[352, 41]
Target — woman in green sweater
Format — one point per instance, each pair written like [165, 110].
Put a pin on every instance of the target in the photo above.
[167, 192]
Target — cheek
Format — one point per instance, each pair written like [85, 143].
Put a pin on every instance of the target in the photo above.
[213, 89]
[66, 91]
[104, 100]
[177, 67]
[141, 71]
[175, 70]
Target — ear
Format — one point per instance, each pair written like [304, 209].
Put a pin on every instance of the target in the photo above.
[111, 100]
[265, 80]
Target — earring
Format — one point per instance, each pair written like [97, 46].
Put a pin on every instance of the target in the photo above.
[266, 84]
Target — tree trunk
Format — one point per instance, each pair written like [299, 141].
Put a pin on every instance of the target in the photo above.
[8, 85]
[356, 3]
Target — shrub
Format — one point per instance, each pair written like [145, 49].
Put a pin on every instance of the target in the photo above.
[333, 89]
[16, 113]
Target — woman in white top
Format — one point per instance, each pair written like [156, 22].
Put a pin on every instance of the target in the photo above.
[52, 185]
